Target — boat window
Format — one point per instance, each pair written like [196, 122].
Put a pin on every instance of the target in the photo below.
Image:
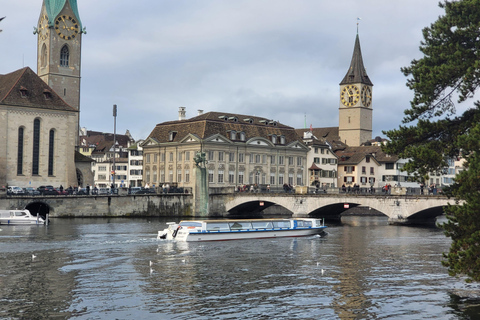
[239, 225]
[217, 226]
[262, 224]
[190, 224]
[20, 213]
[304, 223]
[281, 224]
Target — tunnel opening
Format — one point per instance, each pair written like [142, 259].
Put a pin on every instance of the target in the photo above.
[40, 208]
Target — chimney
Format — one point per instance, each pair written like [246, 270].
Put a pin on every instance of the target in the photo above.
[200, 112]
[181, 113]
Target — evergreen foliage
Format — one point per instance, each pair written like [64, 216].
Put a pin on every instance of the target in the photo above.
[449, 70]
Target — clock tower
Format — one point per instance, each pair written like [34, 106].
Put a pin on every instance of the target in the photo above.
[59, 48]
[355, 112]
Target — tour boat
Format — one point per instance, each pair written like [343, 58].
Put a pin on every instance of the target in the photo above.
[216, 230]
[22, 217]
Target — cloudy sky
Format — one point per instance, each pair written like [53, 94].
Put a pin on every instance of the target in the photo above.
[277, 59]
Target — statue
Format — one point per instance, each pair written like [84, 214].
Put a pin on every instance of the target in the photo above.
[199, 159]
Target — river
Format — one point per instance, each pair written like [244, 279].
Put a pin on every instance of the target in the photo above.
[117, 269]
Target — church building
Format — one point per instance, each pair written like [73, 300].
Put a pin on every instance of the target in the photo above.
[39, 112]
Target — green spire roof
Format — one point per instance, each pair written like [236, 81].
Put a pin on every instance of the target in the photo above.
[357, 73]
[55, 6]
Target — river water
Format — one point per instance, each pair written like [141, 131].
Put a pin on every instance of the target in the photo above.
[100, 269]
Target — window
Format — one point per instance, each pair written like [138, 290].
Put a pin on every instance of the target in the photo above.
[20, 151]
[220, 155]
[257, 158]
[316, 160]
[322, 151]
[162, 156]
[179, 176]
[231, 156]
[364, 170]
[299, 161]
[210, 155]
[43, 58]
[299, 179]
[233, 135]
[372, 170]
[274, 138]
[272, 178]
[281, 159]
[154, 178]
[171, 156]
[155, 157]
[315, 149]
[220, 176]
[264, 158]
[349, 169]
[210, 176]
[187, 155]
[257, 177]
[280, 178]
[64, 56]
[389, 166]
[251, 158]
[36, 146]
[282, 139]
[171, 135]
[367, 159]
[170, 175]
[363, 180]
[240, 177]
[51, 151]
[162, 176]
[290, 178]
[290, 161]
[147, 158]
[272, 159]
[231, 177]
[242, 136]
[187, 175]
[179, 156]
[241, 157]
[147, 174]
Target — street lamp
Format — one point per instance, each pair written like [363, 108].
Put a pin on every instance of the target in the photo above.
[114, 146]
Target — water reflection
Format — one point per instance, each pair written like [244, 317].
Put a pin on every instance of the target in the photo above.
[100, 269]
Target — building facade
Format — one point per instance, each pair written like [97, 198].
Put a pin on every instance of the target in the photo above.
[240, 150]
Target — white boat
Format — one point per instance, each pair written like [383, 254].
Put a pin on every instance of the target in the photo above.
[22, 217]
[216, 230]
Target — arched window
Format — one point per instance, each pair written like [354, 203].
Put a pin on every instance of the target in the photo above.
[64, 56]
[43, 56]
[51, 151]
[20, 151]
[36, 146]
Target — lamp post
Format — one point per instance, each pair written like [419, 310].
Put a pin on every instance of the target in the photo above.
[114, 144]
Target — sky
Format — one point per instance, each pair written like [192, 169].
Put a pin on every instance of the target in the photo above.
[278, 59]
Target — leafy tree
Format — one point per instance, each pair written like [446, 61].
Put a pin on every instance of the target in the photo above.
[449, 70]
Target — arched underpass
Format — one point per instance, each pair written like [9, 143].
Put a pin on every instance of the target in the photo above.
[38, 207]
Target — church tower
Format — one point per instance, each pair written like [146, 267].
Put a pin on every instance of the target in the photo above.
[355, 112]
[59, 49]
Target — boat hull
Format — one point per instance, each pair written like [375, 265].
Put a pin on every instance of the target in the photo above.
[240, 235]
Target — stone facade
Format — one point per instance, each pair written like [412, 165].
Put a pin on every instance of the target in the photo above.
[239, 149]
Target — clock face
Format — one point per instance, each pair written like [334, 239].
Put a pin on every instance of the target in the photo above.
[43, 28]
[66, 27]
[350, 95]
[366, 96]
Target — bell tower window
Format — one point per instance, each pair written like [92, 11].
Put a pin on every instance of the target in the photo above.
[43, 56]
[64, 56]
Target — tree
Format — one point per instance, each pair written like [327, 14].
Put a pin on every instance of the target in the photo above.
[449, 70]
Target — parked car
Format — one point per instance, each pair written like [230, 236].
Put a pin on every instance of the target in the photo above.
[31, 191]
[13, 190]
[103, 191]
[47, 190]
[146, 191]
[134, 190]
[82, 192]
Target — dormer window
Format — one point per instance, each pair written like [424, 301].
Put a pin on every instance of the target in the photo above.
[47, 95]
[233, 135]
[274, 138]
[171, 135]
[282, 139]
[249, 120]
[23, 92]
[234, 119]
[242, 136]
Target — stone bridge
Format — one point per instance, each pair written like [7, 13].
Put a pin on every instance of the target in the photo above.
[398, 209]
[410, 209]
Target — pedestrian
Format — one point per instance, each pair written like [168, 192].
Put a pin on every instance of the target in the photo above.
[88, 189]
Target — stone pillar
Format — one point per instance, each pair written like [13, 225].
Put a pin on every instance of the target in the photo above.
[200, 193]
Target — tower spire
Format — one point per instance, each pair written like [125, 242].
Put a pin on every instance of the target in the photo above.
[356, 72]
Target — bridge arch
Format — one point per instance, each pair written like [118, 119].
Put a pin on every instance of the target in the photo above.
[40, 207]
